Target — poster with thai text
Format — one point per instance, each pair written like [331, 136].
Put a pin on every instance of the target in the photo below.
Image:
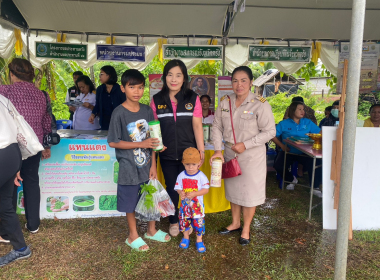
[368, 70]
[79, 180]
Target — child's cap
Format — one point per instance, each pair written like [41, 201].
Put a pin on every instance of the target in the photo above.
[191, 155]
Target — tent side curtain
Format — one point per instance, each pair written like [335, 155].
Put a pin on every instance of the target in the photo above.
[236, 54]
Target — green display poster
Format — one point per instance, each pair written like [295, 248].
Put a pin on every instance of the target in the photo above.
[208, 52]
[61, 51]
[279, 53]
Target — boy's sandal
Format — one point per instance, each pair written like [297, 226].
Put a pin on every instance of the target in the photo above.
[199, 246]
[137, 244]
[159, 236]
[174, 230]
[186, 242]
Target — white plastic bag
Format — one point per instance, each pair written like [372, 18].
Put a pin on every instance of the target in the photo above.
[147, 208]
[165, 204]
[26, 137]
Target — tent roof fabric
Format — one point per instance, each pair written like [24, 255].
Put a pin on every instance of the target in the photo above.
[296, 19]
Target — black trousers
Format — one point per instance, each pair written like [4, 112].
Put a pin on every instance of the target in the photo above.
[171, 169]
[32, 194]
[10, 164]
[307, 162]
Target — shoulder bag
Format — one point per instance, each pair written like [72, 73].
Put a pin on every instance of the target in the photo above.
[231, 168]
[26, 137]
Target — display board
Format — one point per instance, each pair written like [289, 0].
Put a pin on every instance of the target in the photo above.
[200, 84]
[271, 53]
[61, 51]
[369, 79]
[366, 180]
[120, 53]
[79, 180]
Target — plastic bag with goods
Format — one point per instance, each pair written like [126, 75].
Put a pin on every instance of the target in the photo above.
[147, 207]
[165, 204]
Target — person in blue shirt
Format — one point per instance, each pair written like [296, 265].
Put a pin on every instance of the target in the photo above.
[296, 125]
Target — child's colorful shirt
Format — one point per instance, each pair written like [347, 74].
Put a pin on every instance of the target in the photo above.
[190, 183]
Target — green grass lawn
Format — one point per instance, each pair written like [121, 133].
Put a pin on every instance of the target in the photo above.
[284, 246]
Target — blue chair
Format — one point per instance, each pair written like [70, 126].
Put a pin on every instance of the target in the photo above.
[64, 124]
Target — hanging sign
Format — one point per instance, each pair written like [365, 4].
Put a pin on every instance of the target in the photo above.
[61, 51]
[279, 53]
[208, 52]
[120, 53]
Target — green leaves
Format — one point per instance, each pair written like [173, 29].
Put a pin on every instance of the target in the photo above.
[150, 190]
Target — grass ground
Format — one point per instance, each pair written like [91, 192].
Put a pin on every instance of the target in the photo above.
[284, 246]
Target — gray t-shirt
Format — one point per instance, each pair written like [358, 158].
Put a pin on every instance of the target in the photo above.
[134, 164]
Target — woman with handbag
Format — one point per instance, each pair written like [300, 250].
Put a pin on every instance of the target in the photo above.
[30, 102]
[245, 122]
[10, 164]
[179, 111]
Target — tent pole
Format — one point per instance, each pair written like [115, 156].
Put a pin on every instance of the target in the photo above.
[224, 40]
[349, 133]
[27, 45]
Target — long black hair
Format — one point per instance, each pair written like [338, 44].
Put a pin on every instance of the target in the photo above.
[111, 72]
[184, 89]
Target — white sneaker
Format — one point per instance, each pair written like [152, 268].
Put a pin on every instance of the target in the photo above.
[290, 187]
[31, 231]
[2, 240]
[317, 193]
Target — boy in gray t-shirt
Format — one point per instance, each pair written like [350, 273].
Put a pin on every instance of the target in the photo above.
[129, 134]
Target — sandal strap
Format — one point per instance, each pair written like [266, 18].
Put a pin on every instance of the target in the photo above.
[136, 244]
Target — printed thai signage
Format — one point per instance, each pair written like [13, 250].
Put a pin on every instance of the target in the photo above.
[120, 53]
[208, 52]
[61, 51]
[279, 53]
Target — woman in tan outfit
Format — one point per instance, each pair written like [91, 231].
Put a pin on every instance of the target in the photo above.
[254, 126]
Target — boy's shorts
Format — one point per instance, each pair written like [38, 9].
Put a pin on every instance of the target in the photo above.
[127, 197]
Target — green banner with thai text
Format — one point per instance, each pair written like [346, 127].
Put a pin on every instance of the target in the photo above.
[61, 51]
[279, 53]
[208, 52]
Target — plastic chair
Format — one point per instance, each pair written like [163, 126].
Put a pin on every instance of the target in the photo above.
[64, 124]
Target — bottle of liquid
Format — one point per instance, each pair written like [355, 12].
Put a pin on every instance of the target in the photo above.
[155, 132]
[216, 173]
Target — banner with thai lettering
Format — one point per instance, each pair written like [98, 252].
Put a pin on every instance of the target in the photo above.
[61, 51]
[279, 53]
[79, 180]
[120, 53]
[205, 52]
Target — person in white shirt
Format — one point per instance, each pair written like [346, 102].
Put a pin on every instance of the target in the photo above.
[207, 114]
[191, 185]
[88, 98]
[10, 165]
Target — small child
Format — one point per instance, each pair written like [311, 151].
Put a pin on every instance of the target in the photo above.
[129, 135]
[191, 185]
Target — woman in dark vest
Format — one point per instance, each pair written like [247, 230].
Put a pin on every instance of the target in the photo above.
[108, 97]
[179, 111]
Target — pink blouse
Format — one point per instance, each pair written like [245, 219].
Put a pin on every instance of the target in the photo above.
[197, 109]
[30, 102]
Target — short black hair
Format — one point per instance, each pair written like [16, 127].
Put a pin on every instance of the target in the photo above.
[328, 108]
[77, 73]
[373, 106]
[205, 96]
[111, 72]
[336, 103]
[245, 69]
[297, 99]
[132, 77]
[87, 81]
[199, 78]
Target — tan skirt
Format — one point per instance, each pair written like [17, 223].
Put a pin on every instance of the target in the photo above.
[248, 189]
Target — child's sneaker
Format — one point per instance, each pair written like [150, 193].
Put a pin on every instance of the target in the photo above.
[14, 256]
[290, 187]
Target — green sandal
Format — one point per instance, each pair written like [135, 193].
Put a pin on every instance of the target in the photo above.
[135, 245]
[159, 236]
